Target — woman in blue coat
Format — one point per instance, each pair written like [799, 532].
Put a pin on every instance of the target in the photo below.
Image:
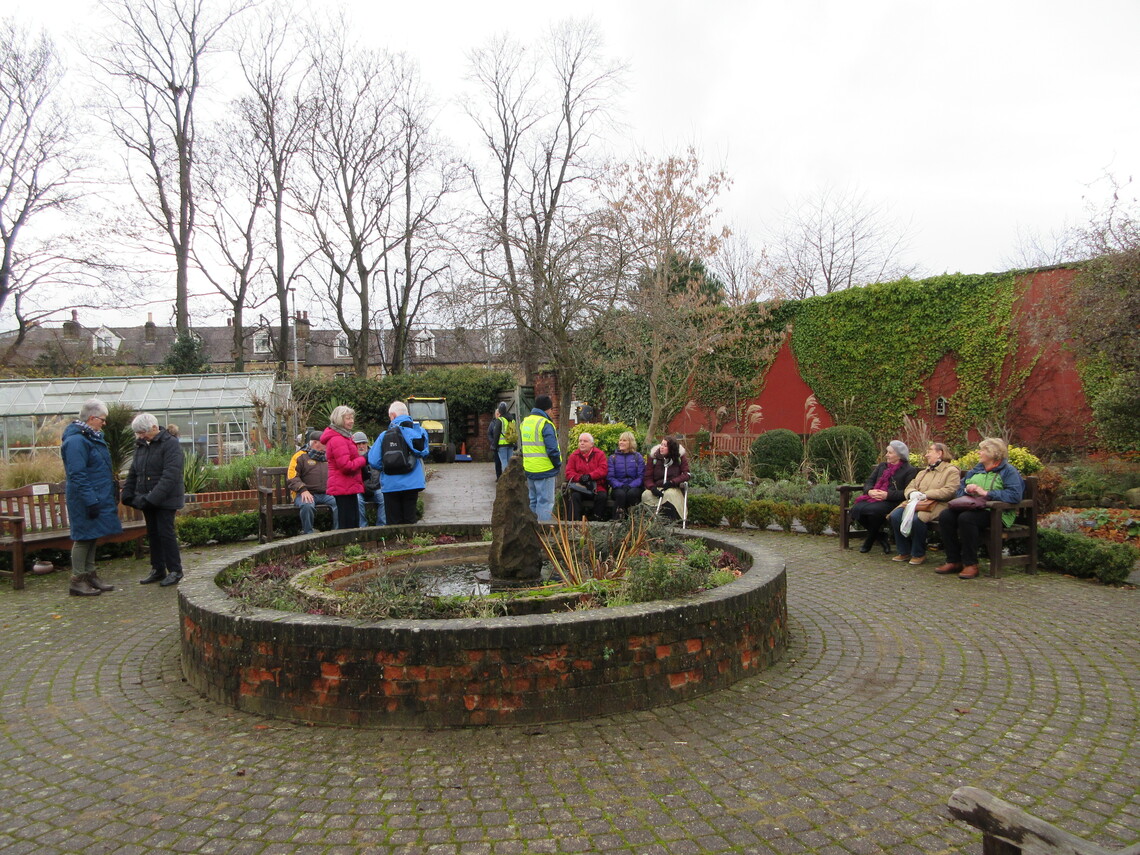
[626, 474]
[91, 506]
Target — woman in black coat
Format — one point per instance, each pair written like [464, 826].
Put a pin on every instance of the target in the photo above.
[882, 493]
[154, 486]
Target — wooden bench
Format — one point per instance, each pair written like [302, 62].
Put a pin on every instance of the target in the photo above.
[275, 500]
[1008, 830]
[739, 444]
[36, 516]
[1024, 527]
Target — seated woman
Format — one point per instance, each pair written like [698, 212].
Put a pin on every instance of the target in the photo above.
[992, 479]
[931, 488]
[881, 493]
[666, 470]
[586, 478]
[625, 473]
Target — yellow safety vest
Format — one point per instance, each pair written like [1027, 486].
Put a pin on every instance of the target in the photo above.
[503, 438]
[535, 458]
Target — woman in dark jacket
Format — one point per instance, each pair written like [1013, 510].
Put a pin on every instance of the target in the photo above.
[91, 508]
[666, 473]
[882, 493]
[154, 486]
[625, 473]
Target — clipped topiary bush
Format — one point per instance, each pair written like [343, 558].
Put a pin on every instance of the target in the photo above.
[706, 509]
[759, 513]
[816, 517]
[844, 451]
[1085, 557]
[777, 453]
[784, 514]
[734, 511]
[224, 528]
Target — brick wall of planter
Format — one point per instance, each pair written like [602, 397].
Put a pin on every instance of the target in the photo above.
[510, 670]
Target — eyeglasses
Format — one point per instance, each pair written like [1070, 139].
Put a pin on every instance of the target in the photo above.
[103, 419]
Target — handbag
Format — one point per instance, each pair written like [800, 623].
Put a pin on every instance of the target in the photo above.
[968, 503]
[925, 505]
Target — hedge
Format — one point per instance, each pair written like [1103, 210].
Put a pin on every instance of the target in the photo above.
[1085, 557]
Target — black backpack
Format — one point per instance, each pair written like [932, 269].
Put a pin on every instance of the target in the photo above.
[396, 456]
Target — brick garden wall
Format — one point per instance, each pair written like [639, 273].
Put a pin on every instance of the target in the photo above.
[509, 670]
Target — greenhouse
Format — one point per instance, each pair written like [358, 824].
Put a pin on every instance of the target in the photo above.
[219, 416]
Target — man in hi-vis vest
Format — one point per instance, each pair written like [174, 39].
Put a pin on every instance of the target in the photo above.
[538, 441]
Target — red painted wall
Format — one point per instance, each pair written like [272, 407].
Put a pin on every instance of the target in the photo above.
[1051, 411]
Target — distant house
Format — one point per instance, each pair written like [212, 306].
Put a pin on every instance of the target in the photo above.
[75, 349]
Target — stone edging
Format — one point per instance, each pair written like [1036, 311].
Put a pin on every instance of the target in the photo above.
[510, 670]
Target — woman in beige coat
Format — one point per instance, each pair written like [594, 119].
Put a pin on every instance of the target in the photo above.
[937, 483]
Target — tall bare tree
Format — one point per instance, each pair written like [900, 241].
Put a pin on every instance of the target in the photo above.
[666, 210]
[154, 58]
[353, 180]
[428, 177]
[552, 267]
[38, 167]
[232, 202]
[834, 240]
[740, 267]
[278, 114]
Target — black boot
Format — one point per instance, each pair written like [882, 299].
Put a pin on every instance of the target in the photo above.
[81, 587]
[868, 542]
[155, 576]
[885, 541]
[96, 582]
[171, 579]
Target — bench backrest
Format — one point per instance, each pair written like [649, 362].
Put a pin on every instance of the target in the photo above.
[732, 443]
[271, 485]
[43, 507]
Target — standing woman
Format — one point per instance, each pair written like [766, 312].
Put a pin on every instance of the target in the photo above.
[90, 495]
[346, 481]
[154, 486]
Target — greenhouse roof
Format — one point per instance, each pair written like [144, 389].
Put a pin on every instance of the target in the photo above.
[159, 392]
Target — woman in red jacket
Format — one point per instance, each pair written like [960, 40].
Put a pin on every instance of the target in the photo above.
[345, 462]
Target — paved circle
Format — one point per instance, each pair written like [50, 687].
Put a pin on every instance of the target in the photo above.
[898, 686]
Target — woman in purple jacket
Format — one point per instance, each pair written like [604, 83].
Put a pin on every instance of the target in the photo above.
[625, 474]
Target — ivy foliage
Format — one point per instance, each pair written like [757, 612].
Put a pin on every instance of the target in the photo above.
[469, 392]
[869, 350]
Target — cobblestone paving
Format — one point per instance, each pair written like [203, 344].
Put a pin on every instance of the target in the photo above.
[898, 686]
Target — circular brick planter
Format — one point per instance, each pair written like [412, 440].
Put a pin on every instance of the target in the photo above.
[510, 670]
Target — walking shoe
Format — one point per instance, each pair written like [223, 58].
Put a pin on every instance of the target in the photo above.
[901, 558]
[917, 561]
[171, 579]
[948, 568]
[81, 587]
[96, 582]
[970, 571]
[155, 576]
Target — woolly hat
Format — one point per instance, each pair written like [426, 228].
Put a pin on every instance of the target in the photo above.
[900, 448]
[543, 402]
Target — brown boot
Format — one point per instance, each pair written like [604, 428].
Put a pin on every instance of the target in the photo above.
[81, 587]
[948, 568]
[96, 582]
[970, 571]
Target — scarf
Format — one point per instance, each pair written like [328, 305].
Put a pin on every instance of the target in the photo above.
[884, 480]
[346, 434]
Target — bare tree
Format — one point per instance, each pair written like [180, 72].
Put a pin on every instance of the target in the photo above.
[1035, 249]
[278, 115]
[232, 204]
[740, 267]
[666, 210]
[550, 265]
[428, 176]
[835, 240]
[353, 180]
[154, 57]
[38, 168]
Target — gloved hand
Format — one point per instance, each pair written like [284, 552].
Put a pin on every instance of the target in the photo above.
[93, 512]
[584, 479]
[656, 491]
[129, 501]
[141, 503]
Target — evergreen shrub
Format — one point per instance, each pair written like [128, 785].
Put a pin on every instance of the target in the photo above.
[1085, 557]
[760, 514]
[784, 514]
[777, 453]
[706, 509]
[844, 451]
[734, 511]
[605, 436]
[816, 517]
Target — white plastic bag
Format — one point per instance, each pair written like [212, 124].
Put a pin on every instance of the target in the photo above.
[908, 513]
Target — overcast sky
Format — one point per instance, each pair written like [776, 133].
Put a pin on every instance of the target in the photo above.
[973, 121]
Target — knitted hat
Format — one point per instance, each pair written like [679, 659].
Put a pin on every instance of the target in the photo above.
[900, 448]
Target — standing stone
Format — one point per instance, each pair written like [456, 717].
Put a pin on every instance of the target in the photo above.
[515, 549]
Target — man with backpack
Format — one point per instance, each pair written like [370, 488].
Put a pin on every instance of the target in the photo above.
[501, 435]
[399, 454]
